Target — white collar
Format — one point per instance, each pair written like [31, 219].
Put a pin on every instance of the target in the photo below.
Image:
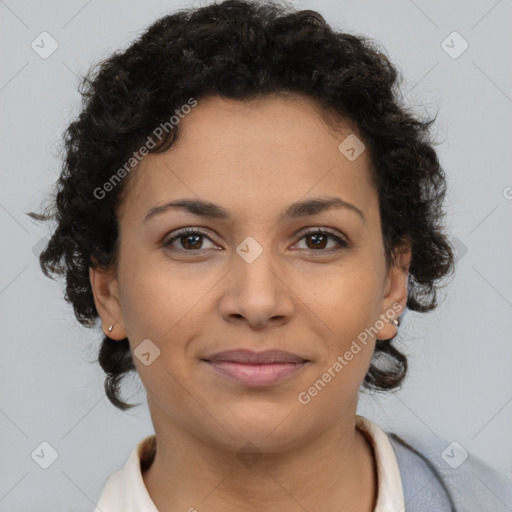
[390, 496]
[125, 491]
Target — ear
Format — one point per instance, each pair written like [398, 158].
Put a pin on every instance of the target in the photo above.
[395, 291]
[106, 300]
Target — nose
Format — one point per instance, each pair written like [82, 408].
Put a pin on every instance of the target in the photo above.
[255, 292]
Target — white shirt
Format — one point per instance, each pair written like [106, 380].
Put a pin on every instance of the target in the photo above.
[125, 491]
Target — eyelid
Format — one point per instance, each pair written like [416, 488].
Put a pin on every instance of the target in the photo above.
[341, 239]
[190, 230]
[321, 229]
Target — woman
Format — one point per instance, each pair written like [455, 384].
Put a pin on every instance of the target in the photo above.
[249, 210]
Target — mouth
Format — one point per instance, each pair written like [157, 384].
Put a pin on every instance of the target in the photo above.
[256, 369]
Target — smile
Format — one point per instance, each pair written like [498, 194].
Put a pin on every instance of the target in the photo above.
[256, 375]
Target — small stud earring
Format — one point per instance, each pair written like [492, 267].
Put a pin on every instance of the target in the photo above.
[111, 327]
[396, 321]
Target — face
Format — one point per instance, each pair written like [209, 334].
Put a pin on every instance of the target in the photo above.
[253, 278]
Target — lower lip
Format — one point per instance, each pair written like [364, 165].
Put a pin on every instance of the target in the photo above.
[256, 374]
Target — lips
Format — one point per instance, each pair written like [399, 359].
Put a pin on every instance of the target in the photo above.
[255, 369]
[244, 356]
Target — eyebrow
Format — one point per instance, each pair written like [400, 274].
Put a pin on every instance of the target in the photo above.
[294, 211]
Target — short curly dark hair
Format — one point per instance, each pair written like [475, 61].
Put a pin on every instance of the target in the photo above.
[243, 50]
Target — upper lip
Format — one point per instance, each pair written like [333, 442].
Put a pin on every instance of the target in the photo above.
[246, 356]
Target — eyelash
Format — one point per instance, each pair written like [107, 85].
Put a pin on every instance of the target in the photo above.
[312, 231]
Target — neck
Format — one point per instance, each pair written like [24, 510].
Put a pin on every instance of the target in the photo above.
[336, 467]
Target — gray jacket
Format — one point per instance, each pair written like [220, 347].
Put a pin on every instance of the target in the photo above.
[437, 477]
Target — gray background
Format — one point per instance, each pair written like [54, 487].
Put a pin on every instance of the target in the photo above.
[459, 386]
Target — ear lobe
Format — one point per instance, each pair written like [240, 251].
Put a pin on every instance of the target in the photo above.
[106, 299]
[396, 291]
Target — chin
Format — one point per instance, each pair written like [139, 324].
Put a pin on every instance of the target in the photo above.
[270, 427]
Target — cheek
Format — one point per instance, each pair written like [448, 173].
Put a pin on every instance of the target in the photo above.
[154, 299]
[349, 299]
[161, 304]
[348, 306]
[158, 308]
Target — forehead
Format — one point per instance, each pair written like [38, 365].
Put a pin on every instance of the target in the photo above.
[291, 117]
[264, 151]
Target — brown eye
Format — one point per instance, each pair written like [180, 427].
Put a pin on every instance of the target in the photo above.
[190, 240]
[318, 240]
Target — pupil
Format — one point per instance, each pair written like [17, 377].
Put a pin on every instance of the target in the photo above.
[316, 237]
[187, 238]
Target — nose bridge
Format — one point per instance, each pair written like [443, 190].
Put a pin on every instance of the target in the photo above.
[256, 290]
[255, 263]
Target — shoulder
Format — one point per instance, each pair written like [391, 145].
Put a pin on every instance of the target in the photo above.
[439, 475]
